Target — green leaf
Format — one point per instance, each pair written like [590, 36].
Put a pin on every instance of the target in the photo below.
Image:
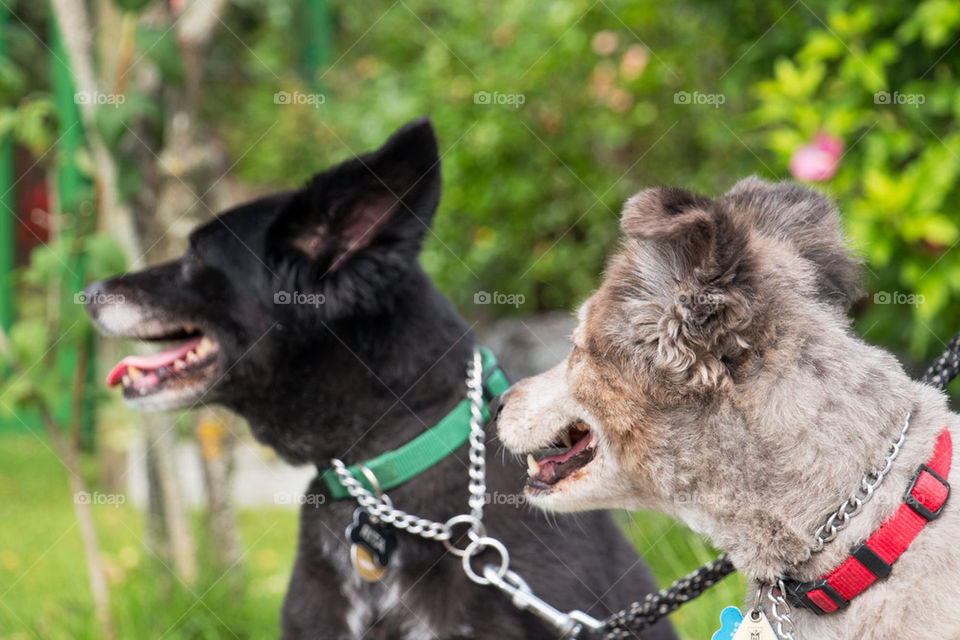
[135, 6]
[159, 45]
[36, 125]
[28, 342]
[103, 257]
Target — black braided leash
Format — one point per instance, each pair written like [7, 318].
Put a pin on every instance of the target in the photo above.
[640, 615]
[946, 367]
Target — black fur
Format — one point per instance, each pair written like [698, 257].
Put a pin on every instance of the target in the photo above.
[380, 360]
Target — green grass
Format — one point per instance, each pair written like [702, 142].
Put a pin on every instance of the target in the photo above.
[44, 591]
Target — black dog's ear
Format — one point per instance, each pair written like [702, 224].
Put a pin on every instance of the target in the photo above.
[384, 198]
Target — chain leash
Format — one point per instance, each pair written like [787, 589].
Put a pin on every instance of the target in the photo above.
[780, 611]
[500, 576]
[477, 455]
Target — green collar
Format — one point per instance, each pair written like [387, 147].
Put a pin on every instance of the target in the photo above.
[393, 468]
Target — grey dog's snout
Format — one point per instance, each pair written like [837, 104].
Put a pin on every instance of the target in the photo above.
[501, 403]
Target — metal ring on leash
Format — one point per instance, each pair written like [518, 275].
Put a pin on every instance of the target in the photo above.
[464, 518]
[372, 479]
[475, 548]
[377, 489]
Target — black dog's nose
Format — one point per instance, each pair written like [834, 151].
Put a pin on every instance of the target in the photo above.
[92, 297]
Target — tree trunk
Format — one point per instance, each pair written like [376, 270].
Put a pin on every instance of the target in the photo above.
[67, 446]
[166, 499]
[88, 532]
[75, 28]
[217, 442]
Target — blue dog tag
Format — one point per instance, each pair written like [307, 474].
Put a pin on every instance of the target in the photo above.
[730, 619]
[733, 626]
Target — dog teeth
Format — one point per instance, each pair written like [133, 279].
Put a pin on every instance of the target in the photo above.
[582, 427]
[192, 357]
[206, 346]
[178, 365]
[533, 468]
[134, 373]
[566, 439]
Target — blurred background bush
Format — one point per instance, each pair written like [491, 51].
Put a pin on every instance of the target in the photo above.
[124, 123]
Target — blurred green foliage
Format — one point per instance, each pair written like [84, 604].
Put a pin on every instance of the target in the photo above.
[50, 321]
[531, 198]
[884, 77]
[532, 192]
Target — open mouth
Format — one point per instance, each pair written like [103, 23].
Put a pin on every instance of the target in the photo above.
[573, 450]
[189, 366]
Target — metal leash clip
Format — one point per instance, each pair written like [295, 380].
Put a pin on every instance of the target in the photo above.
[568, 625]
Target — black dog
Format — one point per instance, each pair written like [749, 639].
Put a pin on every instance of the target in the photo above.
[308, 314]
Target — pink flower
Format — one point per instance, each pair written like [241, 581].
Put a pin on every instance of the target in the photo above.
[817, 161]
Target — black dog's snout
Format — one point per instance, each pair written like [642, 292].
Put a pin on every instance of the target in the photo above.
[93, 297]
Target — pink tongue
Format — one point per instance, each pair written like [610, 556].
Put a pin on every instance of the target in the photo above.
[155, 361]
[580, 445]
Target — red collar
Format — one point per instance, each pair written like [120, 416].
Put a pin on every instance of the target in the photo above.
[873, 559]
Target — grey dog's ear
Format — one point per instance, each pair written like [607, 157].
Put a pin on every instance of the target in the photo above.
[806, 219]
[708, 322]
[698, 235]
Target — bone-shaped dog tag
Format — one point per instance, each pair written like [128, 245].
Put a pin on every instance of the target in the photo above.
[755, 626]
[372, 545]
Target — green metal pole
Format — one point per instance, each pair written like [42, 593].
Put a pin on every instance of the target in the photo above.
[76, 194]
[7, 204]
[319, 39]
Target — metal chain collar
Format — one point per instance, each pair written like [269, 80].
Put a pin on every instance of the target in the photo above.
[381, 507]
[834, 524]
[568, 625]
[943, 370]
[869, 483]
